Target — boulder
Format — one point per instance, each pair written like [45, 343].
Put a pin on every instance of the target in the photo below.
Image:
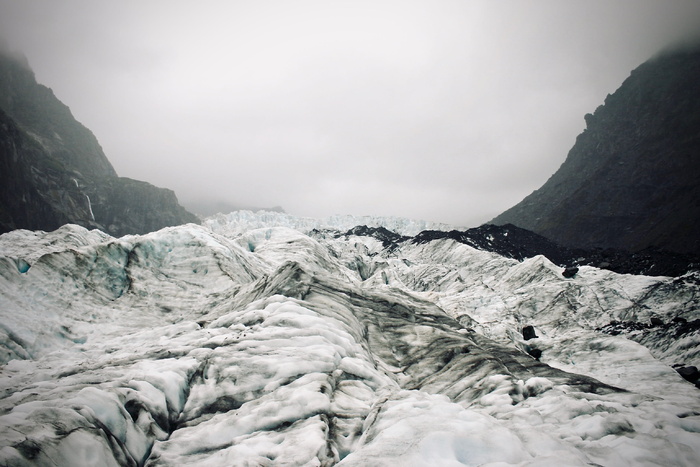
[529, 333]
[569, 272]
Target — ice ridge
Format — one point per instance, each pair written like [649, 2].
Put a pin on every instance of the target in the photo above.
[271, 346]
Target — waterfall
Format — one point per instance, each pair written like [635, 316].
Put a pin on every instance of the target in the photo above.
[92, 216]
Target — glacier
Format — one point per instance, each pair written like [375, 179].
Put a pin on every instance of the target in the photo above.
[261, 340]
[238, 222]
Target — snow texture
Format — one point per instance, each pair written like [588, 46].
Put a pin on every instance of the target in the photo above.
[223, 345]
[239, 222]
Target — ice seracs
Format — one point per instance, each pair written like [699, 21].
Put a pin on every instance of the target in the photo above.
[239, 222]
[272, 346]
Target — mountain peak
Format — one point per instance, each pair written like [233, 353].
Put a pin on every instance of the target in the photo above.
[48, 121]
[630, 180]
[53, 170]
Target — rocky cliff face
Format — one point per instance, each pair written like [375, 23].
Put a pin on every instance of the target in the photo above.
[53, 171]
[631, 179]
[48, 121]
[124, 206]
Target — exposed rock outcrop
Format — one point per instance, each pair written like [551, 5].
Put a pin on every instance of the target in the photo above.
[126, 206]
[53, 171]
[517, 243]
[631, 180]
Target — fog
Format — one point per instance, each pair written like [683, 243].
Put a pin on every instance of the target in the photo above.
[447, 111]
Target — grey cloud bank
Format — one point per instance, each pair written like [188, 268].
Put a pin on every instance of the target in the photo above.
[446, 111]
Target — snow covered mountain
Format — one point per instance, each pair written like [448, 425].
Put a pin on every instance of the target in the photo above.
[220, 345]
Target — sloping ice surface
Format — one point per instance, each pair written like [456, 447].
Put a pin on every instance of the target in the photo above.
[276, 347]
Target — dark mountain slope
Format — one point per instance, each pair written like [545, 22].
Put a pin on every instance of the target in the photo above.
[513, 242]
[48, 121]
[53, 171]
[631, 180]
[36, 189]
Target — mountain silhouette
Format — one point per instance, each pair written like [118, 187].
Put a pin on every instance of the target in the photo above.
[631, 179]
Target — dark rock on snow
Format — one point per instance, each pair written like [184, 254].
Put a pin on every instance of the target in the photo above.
[569, 272]
[689, 373]
[656, 321]
[388, 238]
[517, 243]
[529, 333]
[534, 353]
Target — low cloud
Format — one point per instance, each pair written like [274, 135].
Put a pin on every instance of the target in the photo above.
[447, 111]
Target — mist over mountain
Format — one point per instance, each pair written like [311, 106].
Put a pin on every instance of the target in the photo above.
[53, 170]
[631, 179]
[262, 338]
[209, 207]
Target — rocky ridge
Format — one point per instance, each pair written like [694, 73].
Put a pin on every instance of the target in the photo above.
[53, 170]
[516, 243]
[630, 180]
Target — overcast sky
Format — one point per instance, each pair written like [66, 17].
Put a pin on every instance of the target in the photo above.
[447, 111]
